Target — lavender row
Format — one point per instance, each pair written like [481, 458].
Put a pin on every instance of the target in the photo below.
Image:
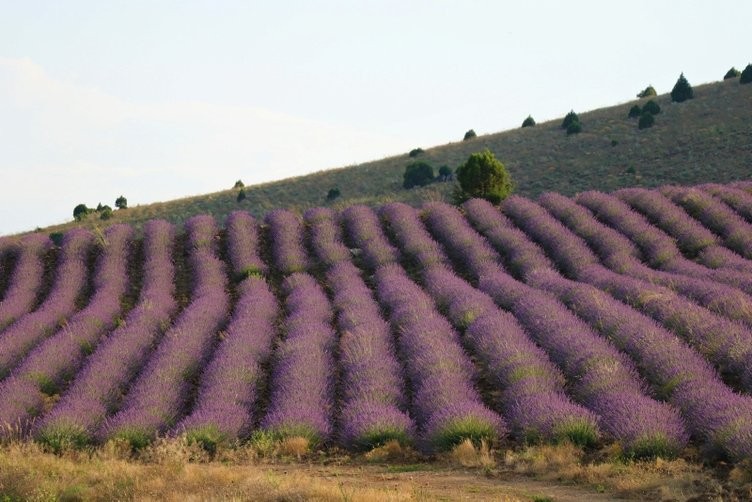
[446, 405]
[658, 248]
[602, 378]
[364, 231]
[620, 255]
[531, 388]
[57, 359]
[521, 256]
[243, 243]
[224, 408]
[70, 281]
[715, 215]
[714, 414]
[158, 396]
[286, 236]
[26, 279]
[692, 238]
[740, 200]
[726, 343]
[326, 236]
[95, 392]
[302, 381]
[373, 394]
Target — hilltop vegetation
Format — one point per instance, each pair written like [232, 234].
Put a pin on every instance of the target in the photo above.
[708, 138]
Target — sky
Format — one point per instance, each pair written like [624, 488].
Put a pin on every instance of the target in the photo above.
[157, 100]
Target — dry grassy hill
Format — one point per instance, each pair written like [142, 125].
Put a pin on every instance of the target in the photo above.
[708, 138]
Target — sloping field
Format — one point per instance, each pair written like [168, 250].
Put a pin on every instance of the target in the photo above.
[621, 320]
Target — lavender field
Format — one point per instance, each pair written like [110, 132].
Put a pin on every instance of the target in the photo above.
[620, 319]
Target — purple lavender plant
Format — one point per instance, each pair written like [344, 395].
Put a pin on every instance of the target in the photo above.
[325, 236]
[70, 280]
[96, 390]
[242, 243]
[26, 279]
[364, 232]
[302, 381]
[157, 399]
[286, 235]
[56, 359]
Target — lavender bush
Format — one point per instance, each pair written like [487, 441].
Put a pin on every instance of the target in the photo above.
[26, 279]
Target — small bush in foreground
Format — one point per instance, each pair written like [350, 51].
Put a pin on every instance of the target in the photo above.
[417, 174]
[459, 430]
[682, 91]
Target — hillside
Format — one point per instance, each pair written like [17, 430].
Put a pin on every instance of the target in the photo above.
[708, 138]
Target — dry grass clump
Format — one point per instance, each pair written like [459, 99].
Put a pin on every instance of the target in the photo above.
[466, 454]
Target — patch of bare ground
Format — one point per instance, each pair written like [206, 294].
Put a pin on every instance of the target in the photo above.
[174, 470]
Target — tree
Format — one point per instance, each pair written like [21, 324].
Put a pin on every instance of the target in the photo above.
[732, 73]
[121, 203]
[682, 91]
[569, 119]
[105, 213]
[80, 212]
[651, 107]
[469, 135]
[484, 176]
[417, 174]
[332, 194]
[574, 128]
[648, 92]
[445, 173]
[415, 152]
[528, 122]
[239, 184]
[646, 120]
[635, 111]
[241, 195]
[746, 76]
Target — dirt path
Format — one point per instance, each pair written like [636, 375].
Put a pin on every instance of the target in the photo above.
[427, 482]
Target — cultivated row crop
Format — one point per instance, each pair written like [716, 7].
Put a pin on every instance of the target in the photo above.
[622, 319]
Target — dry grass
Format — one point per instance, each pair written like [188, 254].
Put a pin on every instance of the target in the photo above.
[175, 470]
[704, 139]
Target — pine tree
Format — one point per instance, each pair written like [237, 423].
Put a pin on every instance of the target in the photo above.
[746, 76]
[682, 91]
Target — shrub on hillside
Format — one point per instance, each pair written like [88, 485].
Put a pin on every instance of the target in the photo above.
[415, 152]
[569, 119]
[483, 176]
[682, 91]
[648, 92]
[469, 135]
[105, 213]
[732, 73]
[241, 195]
[635, 111]
[417, 174]
[332, 194]
[445, 173]
[528, 122]
[646, 120]
[239, 184]
[651, 107]
[121, 202]
[746, 75]
[574, 128]
[80, 212]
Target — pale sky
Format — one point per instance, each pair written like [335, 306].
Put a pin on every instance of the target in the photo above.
[163, 99]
